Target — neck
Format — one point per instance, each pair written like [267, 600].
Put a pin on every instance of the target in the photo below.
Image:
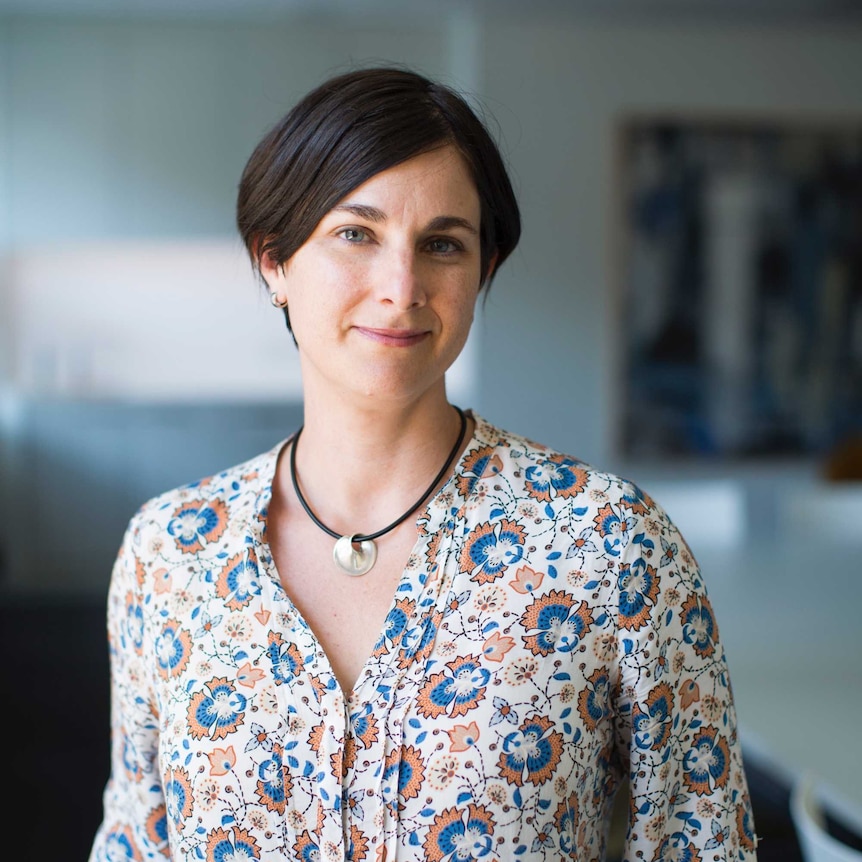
[360, 469]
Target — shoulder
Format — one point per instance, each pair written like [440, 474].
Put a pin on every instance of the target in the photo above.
[206, 503]
[604, 510]
[547, 473]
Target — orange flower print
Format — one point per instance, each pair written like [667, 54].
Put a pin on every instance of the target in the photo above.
[526, 580]
[652, 720]
[496, 647]
[744, 824]
[274, 783]
[304, 848]
[638, 588]
[594, 700]
[463, 736]
[363, 727]
[286, 660]
[315, 736]
[566, 820]
[178, 795]
[222, 760]
[635, 500]
[698, 625]
[689, 693]
[358, 845]
[677, 846]
[394, 626]
[157, 828]
[611, 527]
[465, 834]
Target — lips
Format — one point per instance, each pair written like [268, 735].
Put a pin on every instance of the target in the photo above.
[394, 337]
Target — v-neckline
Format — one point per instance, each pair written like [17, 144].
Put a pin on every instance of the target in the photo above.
[409, 580]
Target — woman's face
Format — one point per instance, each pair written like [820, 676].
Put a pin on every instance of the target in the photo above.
[381, 295]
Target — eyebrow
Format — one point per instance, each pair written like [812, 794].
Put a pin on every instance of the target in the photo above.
[377, 216]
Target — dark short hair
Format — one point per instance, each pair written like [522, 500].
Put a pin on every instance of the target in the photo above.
[349, 129]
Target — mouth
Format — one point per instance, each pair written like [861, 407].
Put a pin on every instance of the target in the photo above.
[394, 337]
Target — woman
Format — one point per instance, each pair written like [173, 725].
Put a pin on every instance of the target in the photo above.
[404, 633]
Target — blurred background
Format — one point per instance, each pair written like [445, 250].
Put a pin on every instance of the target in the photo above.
[685, 308]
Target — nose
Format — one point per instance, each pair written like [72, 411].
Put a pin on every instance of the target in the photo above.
[400, 282]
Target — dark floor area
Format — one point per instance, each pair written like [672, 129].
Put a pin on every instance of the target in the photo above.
[57, 695]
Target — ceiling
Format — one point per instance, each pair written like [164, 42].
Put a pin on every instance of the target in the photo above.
[777, 11]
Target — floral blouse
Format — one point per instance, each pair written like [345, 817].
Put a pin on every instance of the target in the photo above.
[550, 636]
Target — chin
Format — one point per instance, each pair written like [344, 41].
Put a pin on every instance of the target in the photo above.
[398, 388]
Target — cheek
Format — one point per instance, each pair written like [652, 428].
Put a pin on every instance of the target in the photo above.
[317, 299]
[462, 311]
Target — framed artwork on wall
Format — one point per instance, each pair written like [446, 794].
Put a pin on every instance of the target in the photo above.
[739, 262]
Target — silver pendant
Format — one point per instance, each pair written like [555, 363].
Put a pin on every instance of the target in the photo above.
[352, 560]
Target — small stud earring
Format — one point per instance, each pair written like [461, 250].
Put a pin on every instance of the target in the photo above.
[276, 301]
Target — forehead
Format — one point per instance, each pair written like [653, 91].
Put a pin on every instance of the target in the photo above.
[439, 178]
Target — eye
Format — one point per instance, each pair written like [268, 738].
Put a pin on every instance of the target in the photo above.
[444, 245]
[352, 234]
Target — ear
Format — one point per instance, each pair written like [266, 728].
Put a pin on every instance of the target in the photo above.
[270, 270]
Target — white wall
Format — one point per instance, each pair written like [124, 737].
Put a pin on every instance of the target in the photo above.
[139, 130]
[131, 128]
[550, 335]
[130, 134]
[122, 148]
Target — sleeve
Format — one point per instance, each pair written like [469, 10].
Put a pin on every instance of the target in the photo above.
[133, 822]
[676, 722]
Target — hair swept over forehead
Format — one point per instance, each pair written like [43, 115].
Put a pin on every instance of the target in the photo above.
[350, 128]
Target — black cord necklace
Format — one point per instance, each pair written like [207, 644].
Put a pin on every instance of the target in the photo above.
[348, 557]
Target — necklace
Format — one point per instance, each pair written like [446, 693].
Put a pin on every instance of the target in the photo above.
[356, 554]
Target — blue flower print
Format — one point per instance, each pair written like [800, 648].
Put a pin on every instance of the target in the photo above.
[638, 591]
[460, 835]
[491, 548]
[274, 783]
[197, 524]
[699, 628]
[286, 661]
[224, 846]
[454, 691]
[503, 711]
[217, 711]
[535, 748]
[560, 625]
[652, 721]
[612, 528]
[555, 476]
[238, 582]
[677, 848]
